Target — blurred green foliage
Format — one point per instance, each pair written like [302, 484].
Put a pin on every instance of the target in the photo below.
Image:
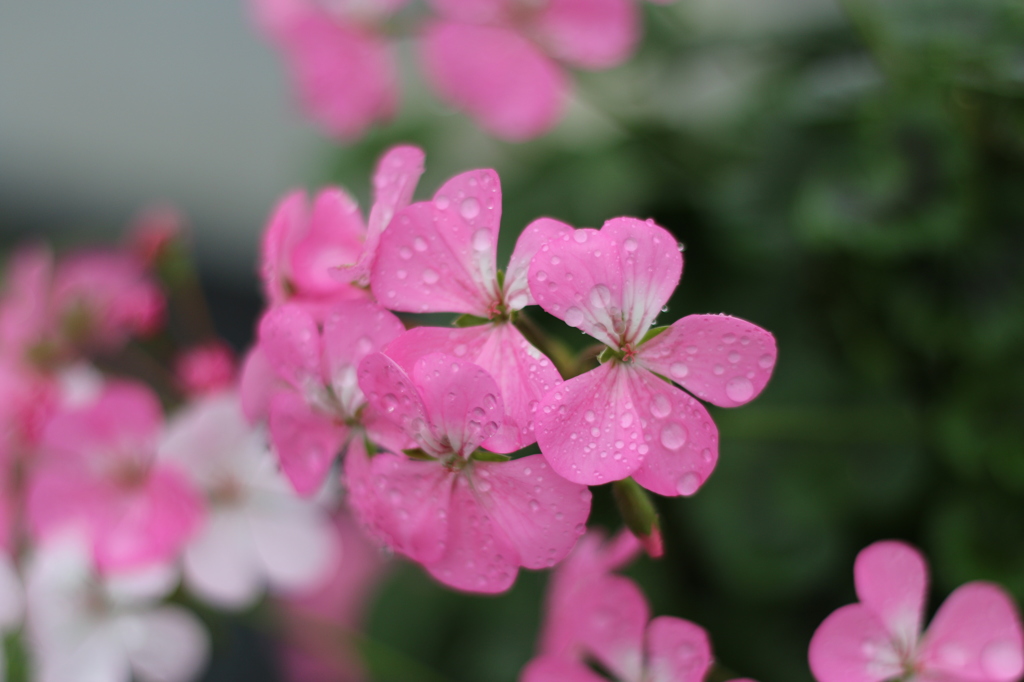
[851, 178]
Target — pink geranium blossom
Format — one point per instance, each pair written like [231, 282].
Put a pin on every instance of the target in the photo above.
[205, 369]
[320, 255]
[340, 63]
[501, 61]
[472, 522]
[975, 636]
[440, 256]
[595, 615]
[623, 419]
[302, 379]
[96, 476]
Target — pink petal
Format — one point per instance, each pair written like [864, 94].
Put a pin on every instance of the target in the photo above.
[537, 234]
[554, 669]
[440, 256]
[852, 645]
[590, 34]
[976, 635]
[610, 283]
[477, 557]
[290, 342]
[724, 360]
[474, 11]
[463, 402]
[539, 512]
[677, 651]
[683, 440]
[257, 383]
[352, 331]
[609, 621]
[523, 374]
[496, 76]
[287, 224]
[590, 430]
[392, 395]
[306, 440]
[26, 312]
[402, 502]
[892, 581]
[334, 237]
[344, 74]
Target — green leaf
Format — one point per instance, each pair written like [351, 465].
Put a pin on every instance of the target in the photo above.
[418, 453]
[651, 333]
[485, 456]
[468, 320]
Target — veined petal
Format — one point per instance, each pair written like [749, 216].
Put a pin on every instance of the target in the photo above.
[393, 396]
[892, 581]
[495, 75]
[540, 513]
[853, 645]
[306, 440]
[724, 360]
[682, 439]
[439, 256]
[290, 342]
[538, 233]
[402, 502]
[590, 429]
[352, 331]
[590, 34]
[677, 651]
[334, 237]
[976, 635]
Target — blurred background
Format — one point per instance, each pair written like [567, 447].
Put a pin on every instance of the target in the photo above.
[848, 174]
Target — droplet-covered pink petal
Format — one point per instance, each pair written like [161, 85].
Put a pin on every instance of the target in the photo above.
[976, 635]
[391, 394]
[334, 236]
[536, 235]
[724, 360]
[853, 645]
[439, 256]
[290, 341]
[677, 651]
[892, 581]
[306, 441]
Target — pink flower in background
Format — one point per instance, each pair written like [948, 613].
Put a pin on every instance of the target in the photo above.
[339, 60]
[974, 637]
[623, 419]
[85, 625]
[153, 231]
[593, 614]
[440, 256]
[258, 532]
[302, 379]
[470, 521]
[205, 369]
[97, 477]
[320, 255]
[26, 316]
[502, 61]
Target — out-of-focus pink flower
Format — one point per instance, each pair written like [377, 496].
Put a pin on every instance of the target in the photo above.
[623, 418]
[152, 231]
[317, 620]
[340, 63]
[440, 256]
[594, 614]
[471, 521]
[501, 61]
[85, 625]
[96, 475]
[205, 369]
[26, 316]
[304, 376]
[258, 532]
[975, 635]
[321, 255]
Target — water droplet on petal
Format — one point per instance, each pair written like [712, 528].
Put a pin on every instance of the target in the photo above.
[490, 401]
[589, 415]
[734, 357]
[430, 276]
[660, 406]
[679, 370]
[630, 244]
[534, 505]
[673, 436]
[470, 208]
[574, 317]
[729, 338]
[482, 240]
[420, 244]
[688, 484]
[1001, 660]
[739, 389]
[600, 296]
[626, 420]
[541, 276]
[442, 203]
[401, 274]
[405, 252]
[390, 402]
[580, 236]
[766, 361]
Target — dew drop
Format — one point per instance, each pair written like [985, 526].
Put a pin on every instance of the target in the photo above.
[734, 357]
[688, 484]
[729, 338]
[590, 416]
[420, 244]
[766, 361]
[442, 203]
[600, 296]
[542, 276]
[739, 389]
[555, 260]
[691, 349]
[580, 236]
[482, 240]
[574, 317]
[390, 402]
[679, 370]
[490, 401]
[705, 454]
[470, 208]
[405, 252]
[459, 350]
[483, 486]
[534, 505]
[430, 276]
[1001, 660]
[660, 406]
[626, 420]
[673, 436]
[401, 274]
[630, 244]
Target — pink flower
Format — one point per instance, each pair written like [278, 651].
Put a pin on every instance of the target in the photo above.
[97, 477]
[470, 520]
[975, 636]
[623, 418]
[302, 378]
[339, 61]
[440, 256]
[501, 61]
[205, 369]
[26, 317]
[593, 614]
[303, 250]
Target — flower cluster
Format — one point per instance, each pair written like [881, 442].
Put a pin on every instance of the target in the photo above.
[502, 62]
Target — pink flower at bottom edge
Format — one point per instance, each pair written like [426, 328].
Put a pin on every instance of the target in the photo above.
[975, 636]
